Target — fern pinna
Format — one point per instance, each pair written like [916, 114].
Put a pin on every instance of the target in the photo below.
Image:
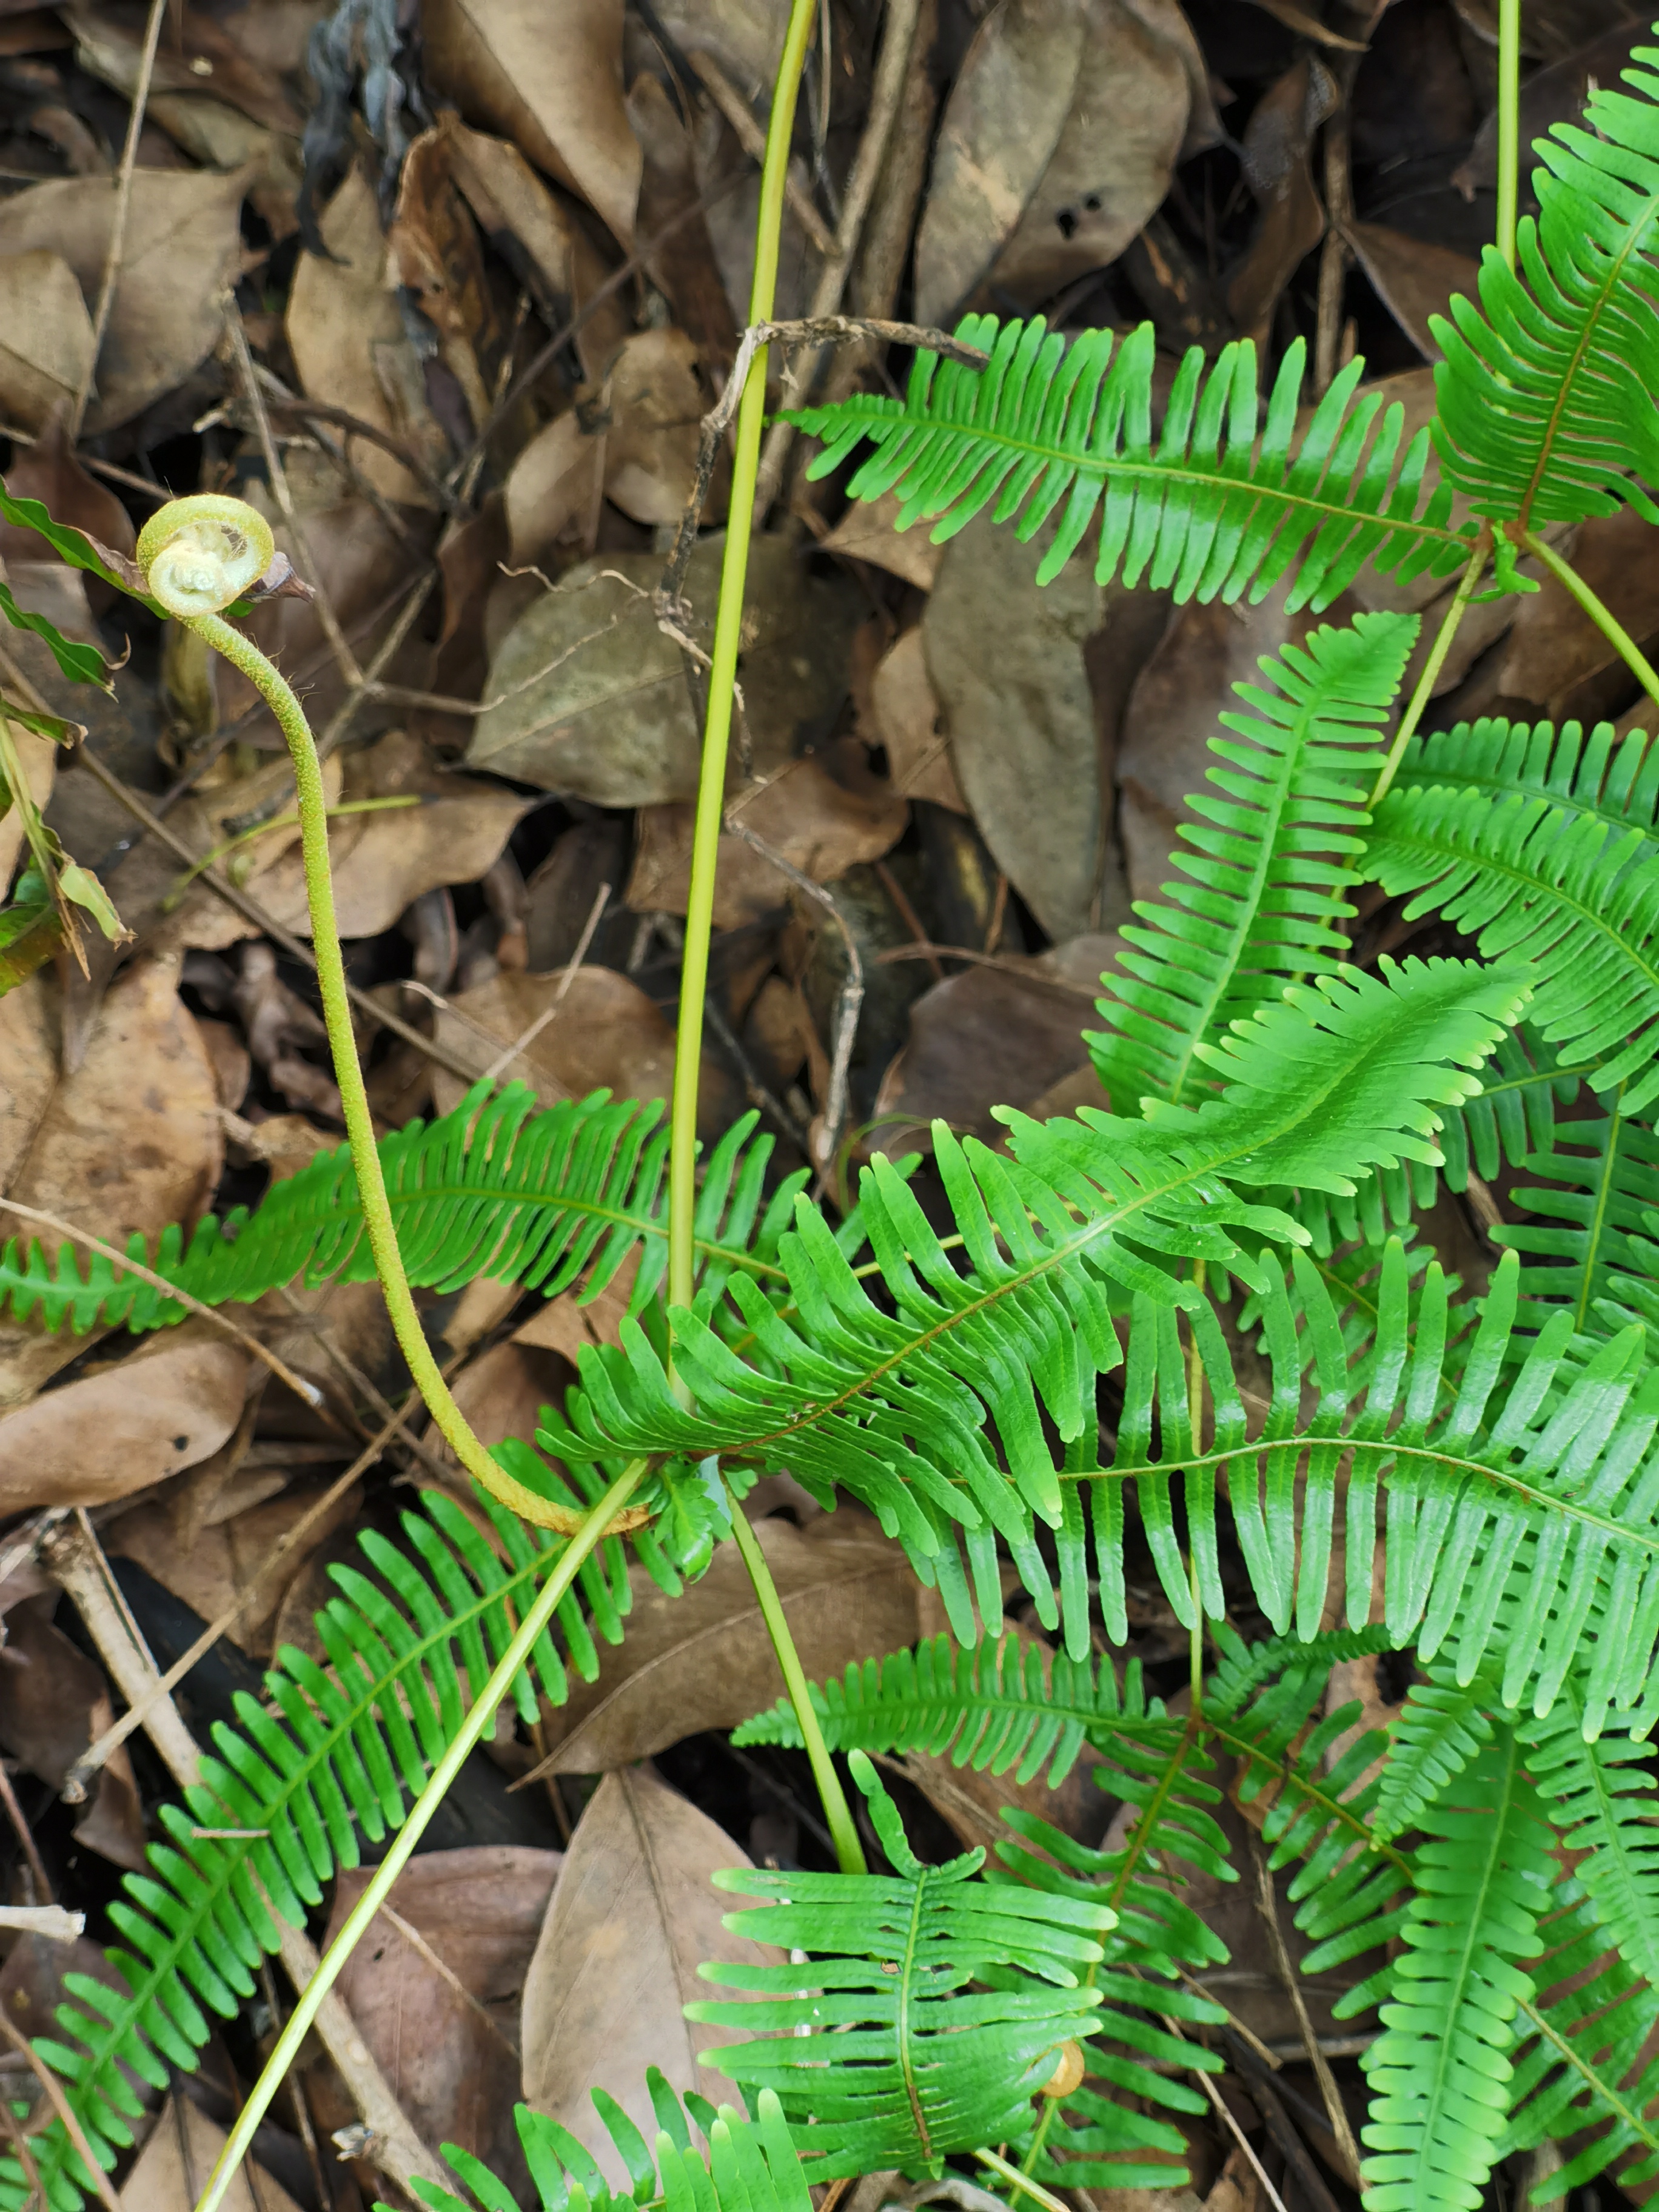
[1040, 1357]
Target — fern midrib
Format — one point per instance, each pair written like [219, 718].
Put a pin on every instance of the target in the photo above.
[1588, 331]
[1605, 1186]
[1179, 472]
[1449, 776]
[1292, 1777]
[907, 1969]
[207, 1892]
[1140, 1841]
[1598, 2084]
[1449, 856]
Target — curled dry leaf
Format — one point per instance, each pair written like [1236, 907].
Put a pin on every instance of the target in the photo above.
[593, 700]
[908, 721]
[439, 2007]
[824, 813]
[182, 2150]
[869, 532]
[126, 1425]
[45, 337]
[54, 1701]
[607, 1034]
[548, 75]
[433, 249]
[183, 249]
[351, 348]
[704, 1659]
[1031, 738]
[632, 1917]
[989, 1037]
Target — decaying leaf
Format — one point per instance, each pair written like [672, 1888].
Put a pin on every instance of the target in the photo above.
[704, 1659]
[53, 1702]
[183, 247]
[181, 2152]
[1277, 144]
[1414, 277]
[595, 700]
[45, 335]
[632, 1917]
[435, 1986]
[909, 722]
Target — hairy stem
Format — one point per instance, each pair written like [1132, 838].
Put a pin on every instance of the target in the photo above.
[243, 653]
[1509, 125]
[723, 667]
[849, 1852]
[1431, 676]
[593, 1528]
[1604, 620]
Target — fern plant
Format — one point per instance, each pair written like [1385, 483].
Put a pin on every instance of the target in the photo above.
[1045, 1363]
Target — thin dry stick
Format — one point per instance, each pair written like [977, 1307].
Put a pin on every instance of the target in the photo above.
[1268, 1906]
[445, 1972]
[304, 559]
[25, 1837]
[118, 234]
[528, 1036]
[265, 922]
[76, 2133]
[354, 1375]
[381, 660]
[78, 1563]
[886, 97]
[752, 137]
[1012, 961]
[307, 1393]
[1224, 2113]
[19, 2143]
[440, 702]
[852, 991]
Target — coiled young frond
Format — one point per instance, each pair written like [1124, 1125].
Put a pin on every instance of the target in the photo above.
[884, 2067]
[1220, 503]
[1545, 406]
[493, 1188]
[333, 1762]
[1270, 868]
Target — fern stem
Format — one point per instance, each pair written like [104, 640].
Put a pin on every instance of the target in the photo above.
[595, 1525]
[312, 801]
[723, 666]
[1432, 668]
[1604, 620]
[849, 1852]
[1022, 2184]
[1509, 126]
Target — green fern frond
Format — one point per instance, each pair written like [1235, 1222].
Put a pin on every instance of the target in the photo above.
[1271, 868]
[895, 1400]
[886, 2072]
[493, 1189]
[1584, 2071]
[1603, 1798]
[1439, 2073]
[1527, 878]
[1543, 393]
[1586, 1234]
[749, 2165]
[1221, 502]
[1515, 1113]
[998, 1706]
[329, 1761]
[1442, 1726]
[1601, 775]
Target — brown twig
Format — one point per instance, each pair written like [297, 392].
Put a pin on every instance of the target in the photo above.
[61, 2105]
[446, 1973]
[1268, 1906]
[117, 234]
[752, 137]
[1010, 962]
[886, 96]
[307, 1393]
[354, 1375]
[526, 1038]
[79, 1565]
[24, 1836]
[908, 914]
[1268, 2101]
[19, 2143]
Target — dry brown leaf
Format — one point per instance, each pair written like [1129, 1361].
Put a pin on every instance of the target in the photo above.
[990, 1036]
[909, 722]
[632, 1917]
[211, 1566]
[183, 251]
[607, 1034]
[130, 1141]
[1277, 143]
[1002, 122]
[656, 398]
[1556, 661]
[869, 532]
[683, 268]
[704, 1659]
[351, 348]
[569, 1322]
[1031, 745]
[548, 75]
[600, 705]
[1413, 277]
[53, 1702]
[220, 137]
[556, 479]
[49, 471]
[1112, 164]
[130, 1424]
[183, 2148]
[745, 37]
[824, 813]
[433, 248]
[45, 337]
[446, 2034]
